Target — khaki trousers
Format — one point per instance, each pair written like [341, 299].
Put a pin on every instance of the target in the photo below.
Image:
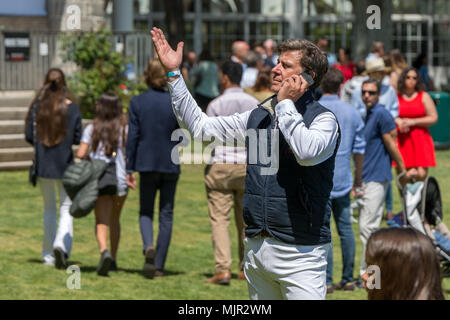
[225, 185]
[371, 215]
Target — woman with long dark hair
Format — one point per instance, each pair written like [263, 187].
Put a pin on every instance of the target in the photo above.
[107, 138]
[416, 113]
[53, 125]
[407, 265]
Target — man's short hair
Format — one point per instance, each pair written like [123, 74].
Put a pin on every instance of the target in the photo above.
[377, 47]
[375, 82]
[252, 58]
[233, 70]
[360, 67]
[312, 59]
[332, 80]
[270, 43]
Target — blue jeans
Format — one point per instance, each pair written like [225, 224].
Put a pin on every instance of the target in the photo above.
[389, 198]
[341, 214]
[150, 182]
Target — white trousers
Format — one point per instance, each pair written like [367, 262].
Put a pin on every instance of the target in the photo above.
[63, 237]
[370, 215]
[280, 271]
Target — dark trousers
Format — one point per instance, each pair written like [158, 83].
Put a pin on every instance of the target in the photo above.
[150, 182]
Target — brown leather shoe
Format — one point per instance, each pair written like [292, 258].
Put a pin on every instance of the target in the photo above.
[220, 278]
[241, 276]
[330, 289]
[159, 273]
[349, 286]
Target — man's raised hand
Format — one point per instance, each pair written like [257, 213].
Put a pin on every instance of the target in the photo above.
[170, 59]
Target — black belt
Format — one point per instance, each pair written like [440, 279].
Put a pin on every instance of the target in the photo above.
[265, 234]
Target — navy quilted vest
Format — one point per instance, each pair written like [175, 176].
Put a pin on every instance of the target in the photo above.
[294, 204]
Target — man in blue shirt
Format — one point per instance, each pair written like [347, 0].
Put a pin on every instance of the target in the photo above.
[376, 68]
[381, 148]
[352, 142]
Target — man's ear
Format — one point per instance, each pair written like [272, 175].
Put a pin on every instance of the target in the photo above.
[340, 89]
[226, 79]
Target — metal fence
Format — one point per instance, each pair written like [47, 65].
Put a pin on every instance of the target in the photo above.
[28, 75]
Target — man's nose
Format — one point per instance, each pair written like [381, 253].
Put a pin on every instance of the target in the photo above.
[276, 69]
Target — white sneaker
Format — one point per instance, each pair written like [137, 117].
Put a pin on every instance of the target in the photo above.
[49, 261]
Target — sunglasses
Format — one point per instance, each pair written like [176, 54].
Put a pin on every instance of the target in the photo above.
[372, 93]
[411, 77]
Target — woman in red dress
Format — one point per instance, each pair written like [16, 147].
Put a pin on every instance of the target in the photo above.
[416, 113]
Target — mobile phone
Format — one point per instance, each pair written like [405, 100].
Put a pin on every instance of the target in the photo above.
[308, 78]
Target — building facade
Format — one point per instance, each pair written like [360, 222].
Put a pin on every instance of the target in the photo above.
[415, 26]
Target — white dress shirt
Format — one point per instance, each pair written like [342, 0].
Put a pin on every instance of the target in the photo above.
[310, 146]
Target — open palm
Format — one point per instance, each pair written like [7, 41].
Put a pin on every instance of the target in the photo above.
[170, 59]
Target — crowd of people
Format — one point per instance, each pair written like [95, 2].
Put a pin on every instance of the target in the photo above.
[376, 111]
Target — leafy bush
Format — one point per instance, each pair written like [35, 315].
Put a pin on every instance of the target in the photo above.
[101, 69]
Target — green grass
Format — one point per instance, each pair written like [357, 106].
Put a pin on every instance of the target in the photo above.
[190, 259]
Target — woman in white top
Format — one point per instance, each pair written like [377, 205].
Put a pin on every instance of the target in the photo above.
[107, 139]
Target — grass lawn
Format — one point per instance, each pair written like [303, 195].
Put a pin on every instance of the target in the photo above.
[190, 259]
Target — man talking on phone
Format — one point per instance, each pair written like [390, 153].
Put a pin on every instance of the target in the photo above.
[287, 211]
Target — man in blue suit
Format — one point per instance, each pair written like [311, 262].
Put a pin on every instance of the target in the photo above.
[149, 150]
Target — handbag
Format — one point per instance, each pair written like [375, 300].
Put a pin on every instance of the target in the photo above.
[32, 172]
[107, 183]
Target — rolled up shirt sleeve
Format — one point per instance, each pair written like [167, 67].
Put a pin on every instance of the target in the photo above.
[312, 145]
[191, 117]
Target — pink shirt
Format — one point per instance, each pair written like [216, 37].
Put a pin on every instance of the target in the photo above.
[231, 101]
